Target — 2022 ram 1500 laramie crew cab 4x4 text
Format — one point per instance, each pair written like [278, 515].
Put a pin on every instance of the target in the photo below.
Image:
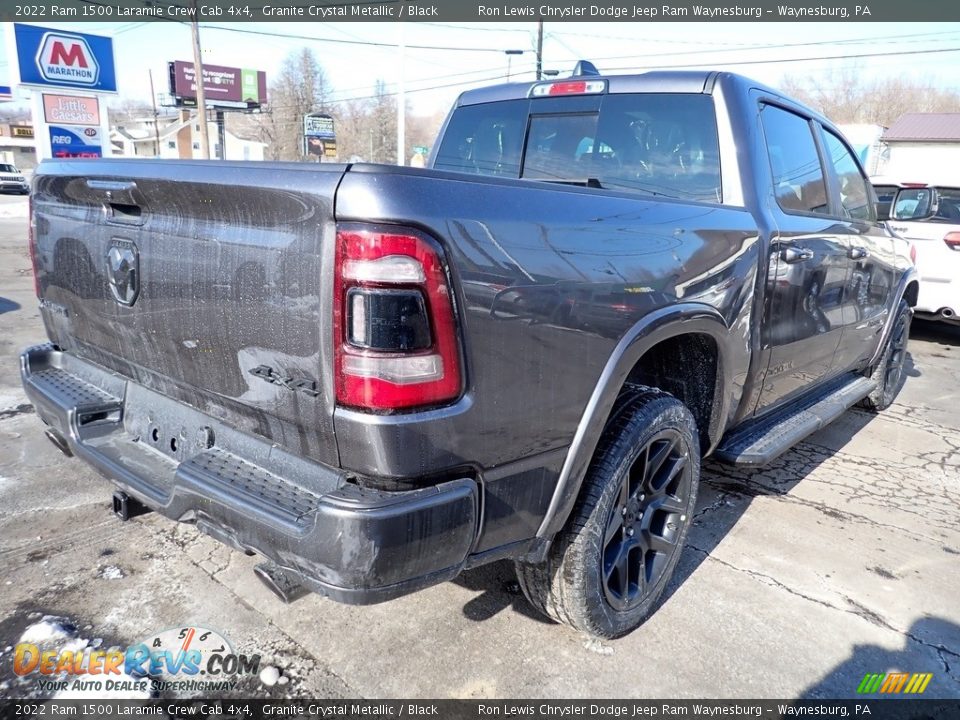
[378, 376]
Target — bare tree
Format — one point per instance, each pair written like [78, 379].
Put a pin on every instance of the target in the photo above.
[851, 98]
[129, 109]
[300, 88]
[367, 128]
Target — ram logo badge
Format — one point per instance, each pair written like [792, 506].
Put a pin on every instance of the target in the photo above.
[123, 271]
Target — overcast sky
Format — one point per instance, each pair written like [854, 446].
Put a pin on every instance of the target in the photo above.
[474, 53]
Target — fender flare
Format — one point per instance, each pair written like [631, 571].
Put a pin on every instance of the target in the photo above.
[660, 325]
[909, 275]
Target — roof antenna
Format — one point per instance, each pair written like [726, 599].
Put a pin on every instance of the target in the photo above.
[585, 67]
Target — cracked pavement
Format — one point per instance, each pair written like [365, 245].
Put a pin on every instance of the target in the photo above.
[839, 559]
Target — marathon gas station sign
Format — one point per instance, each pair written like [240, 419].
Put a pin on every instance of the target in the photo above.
[66, 72]
[55, 58]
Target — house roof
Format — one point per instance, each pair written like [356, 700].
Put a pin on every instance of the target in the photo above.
[925, 127]
[123, 133]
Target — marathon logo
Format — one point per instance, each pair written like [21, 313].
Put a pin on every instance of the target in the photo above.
[67, 58]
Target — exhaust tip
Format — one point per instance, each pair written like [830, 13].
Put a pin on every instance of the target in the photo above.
[947, 312]
[281, 583]
[59, 442]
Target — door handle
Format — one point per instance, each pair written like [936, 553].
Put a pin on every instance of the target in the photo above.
[858, 253]
[794, 254]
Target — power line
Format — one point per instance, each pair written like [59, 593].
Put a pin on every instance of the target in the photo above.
[897, 41]
[368, 43]
[700, 43]
[519, 70]
[450, 26]
[790, 60]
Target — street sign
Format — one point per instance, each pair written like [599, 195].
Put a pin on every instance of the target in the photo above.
[319, 137]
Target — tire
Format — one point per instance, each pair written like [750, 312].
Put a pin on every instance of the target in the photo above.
[608, 567]
[889, 372]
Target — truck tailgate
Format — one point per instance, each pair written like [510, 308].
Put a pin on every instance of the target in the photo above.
[199, 280]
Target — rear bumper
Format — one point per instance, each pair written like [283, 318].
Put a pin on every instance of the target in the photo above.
[353, 544]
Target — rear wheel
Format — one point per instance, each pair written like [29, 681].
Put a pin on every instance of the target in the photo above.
[890, 372]
[608, 567]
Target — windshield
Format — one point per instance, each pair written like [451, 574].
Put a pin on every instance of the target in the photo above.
[662, 144]
[8, 168]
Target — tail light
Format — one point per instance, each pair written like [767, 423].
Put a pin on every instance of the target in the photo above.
[952, 239]
[32, 245]
[395, 335]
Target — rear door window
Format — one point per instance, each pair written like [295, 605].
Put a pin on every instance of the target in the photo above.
[885, 195]
[948, 204]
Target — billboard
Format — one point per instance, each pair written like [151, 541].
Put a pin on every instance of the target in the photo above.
[71, 109]
[319, 138]
[57, 58]
[223, 86]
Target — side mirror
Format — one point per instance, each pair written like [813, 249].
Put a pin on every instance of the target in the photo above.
[883, 210]
[914, 204]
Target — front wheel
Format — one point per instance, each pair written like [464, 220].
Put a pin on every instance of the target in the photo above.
[610, 564]
[890, 372]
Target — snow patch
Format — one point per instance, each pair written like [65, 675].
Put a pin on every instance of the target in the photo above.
[111, 572]
[595, 646]
[14, 210]
[50, 629]
[269, 676]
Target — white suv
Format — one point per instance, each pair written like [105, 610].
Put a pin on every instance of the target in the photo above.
[12, 179]
[929, 217]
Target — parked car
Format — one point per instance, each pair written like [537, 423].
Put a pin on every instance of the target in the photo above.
[13, 180]
[521, 352]
[929, 217]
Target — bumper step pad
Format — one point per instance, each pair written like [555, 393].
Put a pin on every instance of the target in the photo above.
[250, 483]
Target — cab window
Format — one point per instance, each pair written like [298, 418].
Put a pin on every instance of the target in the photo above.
[854, 198]
[797, 174]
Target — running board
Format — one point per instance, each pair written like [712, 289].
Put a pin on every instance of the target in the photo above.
[758, 442]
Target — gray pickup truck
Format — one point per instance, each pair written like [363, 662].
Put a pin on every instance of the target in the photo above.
[376, 377]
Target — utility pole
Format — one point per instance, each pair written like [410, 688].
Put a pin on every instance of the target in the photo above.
[401, 101]
[510, 54]
[156, 122]
[539, 49]
[198, 77]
